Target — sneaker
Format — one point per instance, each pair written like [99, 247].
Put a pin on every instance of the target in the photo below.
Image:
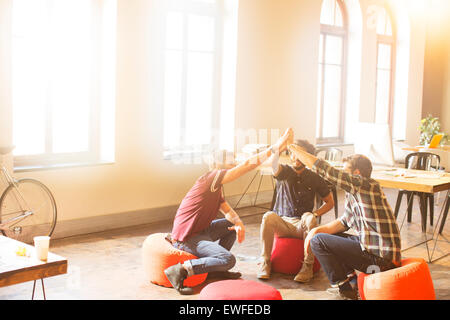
[224, 275]
[305, 274]
[343, 294]
[264, 270]
[176, 275]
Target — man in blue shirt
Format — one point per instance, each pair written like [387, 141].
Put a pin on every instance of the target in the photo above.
[292, 214]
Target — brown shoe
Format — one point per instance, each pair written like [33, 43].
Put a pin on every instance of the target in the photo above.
[264, 270]
[176, 275]
[305, 274]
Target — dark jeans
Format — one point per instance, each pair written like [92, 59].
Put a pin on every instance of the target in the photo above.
[212, 247]
[340, 255]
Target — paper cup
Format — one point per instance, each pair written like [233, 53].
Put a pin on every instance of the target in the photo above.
[41, 245]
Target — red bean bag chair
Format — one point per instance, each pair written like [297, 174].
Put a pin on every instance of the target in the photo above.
[158, 254]
[239, 290]
[411, 281]
[288, 254]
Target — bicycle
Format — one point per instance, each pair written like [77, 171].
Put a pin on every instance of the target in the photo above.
[27, 206]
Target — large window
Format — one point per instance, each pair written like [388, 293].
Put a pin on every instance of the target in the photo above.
[332, 69]
[63, 61]
[192, 73]
[385, 68]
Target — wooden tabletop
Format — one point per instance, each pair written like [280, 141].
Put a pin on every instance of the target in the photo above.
[412, 180]
[16, 269]
[418, 148]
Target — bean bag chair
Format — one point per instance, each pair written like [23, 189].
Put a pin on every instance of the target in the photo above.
[158, 254]
[288, 254]
[411, 281]
[239, 290]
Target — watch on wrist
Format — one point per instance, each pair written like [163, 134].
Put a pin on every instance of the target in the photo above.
[315, 215]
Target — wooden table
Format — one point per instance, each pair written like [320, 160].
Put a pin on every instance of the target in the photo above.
[418, 181]
[411, 180]
[16, 269]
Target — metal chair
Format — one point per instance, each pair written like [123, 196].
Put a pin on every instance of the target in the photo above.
[329, 154]
[419, 161]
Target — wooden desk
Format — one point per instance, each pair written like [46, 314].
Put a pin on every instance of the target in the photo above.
[411, 180]
[419, 181]
[418, 148]
[16, 269]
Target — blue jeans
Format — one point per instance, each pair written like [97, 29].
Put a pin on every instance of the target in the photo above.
[340, 255]
[212, 247]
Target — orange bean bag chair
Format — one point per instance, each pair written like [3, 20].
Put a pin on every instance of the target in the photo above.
[288, 254]
[239, 290]
[158, 254]
[411, 281]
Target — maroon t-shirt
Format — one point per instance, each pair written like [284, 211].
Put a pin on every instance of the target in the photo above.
[200, 206]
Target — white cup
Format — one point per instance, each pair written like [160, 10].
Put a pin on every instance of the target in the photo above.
[41, 245]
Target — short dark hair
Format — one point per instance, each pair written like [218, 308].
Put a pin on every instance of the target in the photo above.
[306, 145]
[360, 162]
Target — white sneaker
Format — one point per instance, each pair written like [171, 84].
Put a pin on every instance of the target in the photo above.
[264, 270]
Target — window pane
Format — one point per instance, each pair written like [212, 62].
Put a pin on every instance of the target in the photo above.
[384, 56]
[199, 98]
[29, 82]
[389, 28]
[382, 20]
[174, 30]
[201, 33]
[71, 75]
[383, 96]
[333, 48]
[321, 48]
[319, 102]
[332, 101]
[327, 14]
[338, 19]
[172, 98]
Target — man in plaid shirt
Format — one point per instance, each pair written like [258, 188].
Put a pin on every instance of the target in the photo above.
[377, 244]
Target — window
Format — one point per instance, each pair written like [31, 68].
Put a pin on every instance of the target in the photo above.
[332, 69]
[192, 73]
[385, 68]
[63, 61]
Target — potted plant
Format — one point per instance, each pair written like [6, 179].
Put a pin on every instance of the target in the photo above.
[429, 127]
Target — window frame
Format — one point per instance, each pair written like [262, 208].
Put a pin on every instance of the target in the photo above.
[217, 11]
[336, 31]
[92, 155]
[390, 40]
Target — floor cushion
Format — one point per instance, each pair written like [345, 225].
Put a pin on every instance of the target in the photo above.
[239, 290]
[411, 281]
[288, 254]
[158, 254]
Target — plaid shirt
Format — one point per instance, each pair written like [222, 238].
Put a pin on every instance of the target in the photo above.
[366, 211]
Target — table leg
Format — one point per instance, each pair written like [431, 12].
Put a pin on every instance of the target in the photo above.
[444, 218]
[43, 289]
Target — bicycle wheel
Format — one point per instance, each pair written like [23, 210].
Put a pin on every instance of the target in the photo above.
[31, 197]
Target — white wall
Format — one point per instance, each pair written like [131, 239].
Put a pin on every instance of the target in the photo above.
[276, 88]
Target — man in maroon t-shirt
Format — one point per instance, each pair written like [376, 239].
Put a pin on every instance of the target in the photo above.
[195, 230]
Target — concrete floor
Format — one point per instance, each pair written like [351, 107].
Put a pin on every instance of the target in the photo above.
[108, 265]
